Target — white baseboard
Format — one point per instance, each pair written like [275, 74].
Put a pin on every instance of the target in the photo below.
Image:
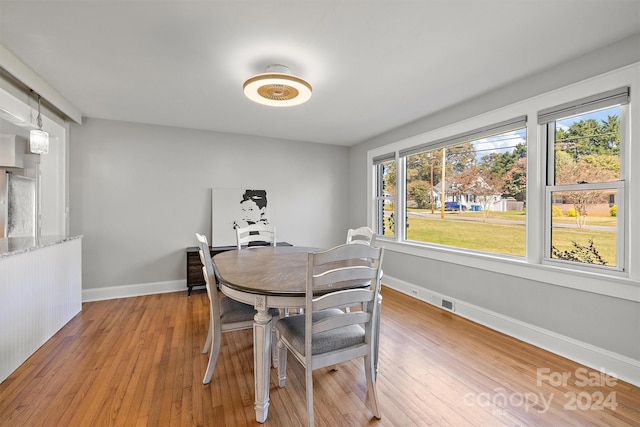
[622, 367]
[114, 292]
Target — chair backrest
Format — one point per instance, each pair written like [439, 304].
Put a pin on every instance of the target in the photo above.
[256, 235]
[363, 235]
[209, 275]
[344, 276]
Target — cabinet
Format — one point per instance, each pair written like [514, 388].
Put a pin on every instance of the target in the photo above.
[194, 266]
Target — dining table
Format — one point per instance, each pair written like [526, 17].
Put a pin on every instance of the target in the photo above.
[265, 277]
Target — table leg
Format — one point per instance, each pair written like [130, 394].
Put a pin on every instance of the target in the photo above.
[262, 358]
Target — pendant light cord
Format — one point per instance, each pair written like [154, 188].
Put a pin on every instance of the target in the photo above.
[39, 118]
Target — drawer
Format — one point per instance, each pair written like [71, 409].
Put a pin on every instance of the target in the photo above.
[195, 273]
[193, 260]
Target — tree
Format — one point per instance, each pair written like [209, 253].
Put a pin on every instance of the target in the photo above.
[587, 152]
[418, 166]
[501, 163]
[570, 172]
[587, 137]
[419, 192]
[515, 181]
[608, 162]
[419, 172]
[512, 166]
[611, 132]
[483, 185]
[459, 158]
[389, 179]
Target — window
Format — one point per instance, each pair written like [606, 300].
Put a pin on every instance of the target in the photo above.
[385, 188]
[585, 181]
[560, 209]
[469, 191]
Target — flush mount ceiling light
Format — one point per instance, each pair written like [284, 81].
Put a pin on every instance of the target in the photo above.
[277, 87]
[39, 139]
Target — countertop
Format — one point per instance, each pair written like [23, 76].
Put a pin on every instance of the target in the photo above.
[10, 246]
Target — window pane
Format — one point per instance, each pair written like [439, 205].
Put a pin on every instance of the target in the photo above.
[387, 179]
[583, 226]
[587, 147]
[386, 196]
[478, 202]
[387, 226]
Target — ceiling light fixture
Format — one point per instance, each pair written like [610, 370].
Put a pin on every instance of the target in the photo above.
[39, 139]
[277, 87]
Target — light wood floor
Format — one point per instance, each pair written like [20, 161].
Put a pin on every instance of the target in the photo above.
[137, 361]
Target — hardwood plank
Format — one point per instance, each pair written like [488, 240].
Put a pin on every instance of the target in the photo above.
[138, 361]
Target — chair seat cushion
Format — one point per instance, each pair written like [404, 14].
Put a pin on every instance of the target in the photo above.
[292, 329]
[232, 311]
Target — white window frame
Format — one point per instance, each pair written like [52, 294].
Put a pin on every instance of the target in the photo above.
[377, 220]
[619, 186]
[611, 98]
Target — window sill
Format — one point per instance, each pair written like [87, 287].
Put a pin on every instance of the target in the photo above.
[617, 287]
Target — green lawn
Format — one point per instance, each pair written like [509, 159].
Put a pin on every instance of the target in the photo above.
[608, 221]
[506, 238]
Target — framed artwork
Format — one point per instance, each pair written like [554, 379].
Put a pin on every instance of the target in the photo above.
[233, 207]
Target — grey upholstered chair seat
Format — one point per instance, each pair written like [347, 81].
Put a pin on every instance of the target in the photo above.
[292, 329]
[232, 311]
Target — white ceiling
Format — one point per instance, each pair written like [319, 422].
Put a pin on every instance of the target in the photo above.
[374, 65]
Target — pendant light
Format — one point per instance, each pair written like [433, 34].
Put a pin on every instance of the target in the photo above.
[39, 139]
[277, 87]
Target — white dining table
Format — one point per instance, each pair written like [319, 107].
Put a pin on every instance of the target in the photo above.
[265, 277]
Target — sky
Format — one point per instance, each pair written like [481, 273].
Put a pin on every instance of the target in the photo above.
[502, 143]
[598, 115]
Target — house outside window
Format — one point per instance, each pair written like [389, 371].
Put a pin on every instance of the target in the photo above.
[585, 191]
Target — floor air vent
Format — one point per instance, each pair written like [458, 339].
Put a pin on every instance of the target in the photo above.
[447, 305]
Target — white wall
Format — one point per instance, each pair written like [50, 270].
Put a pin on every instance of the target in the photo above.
[138, 193]
[598, 330]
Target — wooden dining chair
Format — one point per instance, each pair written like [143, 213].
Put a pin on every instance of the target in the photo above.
[363, 235]
[326, 335]
[256, 235]
[225, 314]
